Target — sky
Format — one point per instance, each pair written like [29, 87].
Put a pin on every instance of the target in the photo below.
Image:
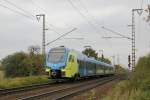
[20, 29]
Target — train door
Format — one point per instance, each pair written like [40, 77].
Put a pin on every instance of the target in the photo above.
[72, 65]
[85, 68]
[81, 67]
[70, 62]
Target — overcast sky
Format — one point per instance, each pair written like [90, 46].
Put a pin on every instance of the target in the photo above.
[18, 32]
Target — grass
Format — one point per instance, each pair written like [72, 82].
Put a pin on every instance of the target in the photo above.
[1, 75]
[22, 81]
[137, 87]
[122, 91]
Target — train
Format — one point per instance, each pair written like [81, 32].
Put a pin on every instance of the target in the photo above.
[65, 63]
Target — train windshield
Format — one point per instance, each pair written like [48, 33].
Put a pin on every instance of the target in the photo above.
[56, 55]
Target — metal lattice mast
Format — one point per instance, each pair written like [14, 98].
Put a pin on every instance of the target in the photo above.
[43, 36]
[139, 11]
[133, 40]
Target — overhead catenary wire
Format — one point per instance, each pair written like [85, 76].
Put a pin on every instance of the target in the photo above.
[15, 11]
[109, 37]
[39, 7]
[82, 15]
[47, 23]
[42, 9]
[61, 36]
[88, 12]
[92, 17]
[21, 9]
[85, 17]
[116, 33]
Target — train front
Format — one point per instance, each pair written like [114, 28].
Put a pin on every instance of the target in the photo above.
[55, 61]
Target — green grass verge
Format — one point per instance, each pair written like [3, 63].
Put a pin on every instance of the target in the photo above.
[1, 75]
[137, 87]
[22, 81]
[123, 91]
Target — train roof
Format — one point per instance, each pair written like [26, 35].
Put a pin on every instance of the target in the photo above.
[82, 56]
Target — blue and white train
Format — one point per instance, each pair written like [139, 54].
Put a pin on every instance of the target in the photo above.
[65, 63]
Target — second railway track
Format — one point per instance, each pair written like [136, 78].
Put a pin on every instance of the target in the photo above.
[66, 92]
[21, 89]
[52, 91]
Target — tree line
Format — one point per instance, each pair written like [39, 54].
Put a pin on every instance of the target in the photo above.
[22, 64]
[92, 53]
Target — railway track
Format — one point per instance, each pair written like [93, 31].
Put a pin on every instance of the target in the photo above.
[66, 92]
[11, 91]
[52, 90]
[21, 89]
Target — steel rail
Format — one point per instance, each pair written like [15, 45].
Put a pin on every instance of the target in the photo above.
[25, 88]
[74, 93]
[74, 87]
[15, 92]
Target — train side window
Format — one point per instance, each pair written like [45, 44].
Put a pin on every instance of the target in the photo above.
[82, 63]
[77, 61]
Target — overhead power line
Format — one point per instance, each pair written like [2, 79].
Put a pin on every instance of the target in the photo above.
[110, 37]
[16, 6]
[82, 15]
[28, 13]
[88, 12]
[44, 10]
[123, 36]
[15, 11]
[39, 7]
[52, 28]
[75, 38]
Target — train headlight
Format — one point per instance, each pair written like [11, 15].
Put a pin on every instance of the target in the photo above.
[47, 70]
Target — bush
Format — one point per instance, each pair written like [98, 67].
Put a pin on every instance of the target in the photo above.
[120, 70]
[141, 76]
[1, 67]
[138, 85]
[1, 75]
[22, 64]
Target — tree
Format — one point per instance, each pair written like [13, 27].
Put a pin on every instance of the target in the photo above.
[148, 12]
[1, 67]
[141, 74]
[14, 65]
[119, 69]
[36, 64]
[106, 60]
[35, 60]
[90, 53]
[21, 64]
